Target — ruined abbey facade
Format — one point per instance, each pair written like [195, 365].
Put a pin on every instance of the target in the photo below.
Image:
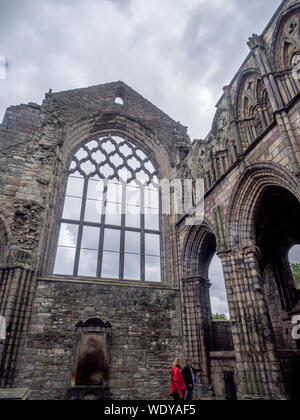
[98, 306]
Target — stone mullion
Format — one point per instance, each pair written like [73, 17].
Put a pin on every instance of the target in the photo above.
[262, 117]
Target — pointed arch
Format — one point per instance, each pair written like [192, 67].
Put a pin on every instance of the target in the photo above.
[198, 251]
[240, 219]
[110, 225]
[252, 106]
[286, 38]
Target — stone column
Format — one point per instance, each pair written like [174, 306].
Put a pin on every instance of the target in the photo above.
[258, 367]
[197, 321]
[17, 287]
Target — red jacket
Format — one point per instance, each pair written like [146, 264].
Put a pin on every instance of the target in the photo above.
[177, 382]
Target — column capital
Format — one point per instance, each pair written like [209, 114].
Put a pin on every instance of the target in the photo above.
[241, 253]
[196, 279]
[19, 257]
[223, 253]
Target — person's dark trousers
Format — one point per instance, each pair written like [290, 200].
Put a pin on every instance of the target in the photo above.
[176, 396]
[189, 393]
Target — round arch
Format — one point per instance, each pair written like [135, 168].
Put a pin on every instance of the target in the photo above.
[240, 219]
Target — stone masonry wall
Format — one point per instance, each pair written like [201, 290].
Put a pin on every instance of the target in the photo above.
[221, 362]
[222, 336]
[146, 337]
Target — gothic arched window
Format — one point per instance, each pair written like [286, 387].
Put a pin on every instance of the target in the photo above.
[110, 227]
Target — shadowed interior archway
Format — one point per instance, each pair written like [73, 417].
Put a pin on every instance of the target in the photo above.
[240, 222]
[277, 231]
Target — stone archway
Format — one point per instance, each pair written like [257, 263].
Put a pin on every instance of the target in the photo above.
[240, 214]
[277, 231]
[253, 225]
[202, 334]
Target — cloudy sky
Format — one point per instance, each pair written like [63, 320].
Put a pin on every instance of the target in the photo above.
[177, 53]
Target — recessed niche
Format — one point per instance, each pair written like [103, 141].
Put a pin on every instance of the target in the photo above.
[92, 358]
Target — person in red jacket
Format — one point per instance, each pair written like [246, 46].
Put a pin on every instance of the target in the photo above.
[177, 382]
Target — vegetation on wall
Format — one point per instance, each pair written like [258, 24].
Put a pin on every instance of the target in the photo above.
[220, 317]
[296, 274]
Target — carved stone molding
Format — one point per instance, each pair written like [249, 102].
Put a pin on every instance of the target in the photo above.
[21, 258]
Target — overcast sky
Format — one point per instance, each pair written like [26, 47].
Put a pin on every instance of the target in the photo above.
[177, 53]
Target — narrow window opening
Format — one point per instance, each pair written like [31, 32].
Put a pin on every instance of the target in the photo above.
[294, 259]
[119, 100]
[218, 295]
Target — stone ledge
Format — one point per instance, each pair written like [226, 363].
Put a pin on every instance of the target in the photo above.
[222, 355]
[14, 394]
[103, 282]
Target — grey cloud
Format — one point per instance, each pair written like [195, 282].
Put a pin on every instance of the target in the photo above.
[177, 54]
[124, 5]
[294, 255]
